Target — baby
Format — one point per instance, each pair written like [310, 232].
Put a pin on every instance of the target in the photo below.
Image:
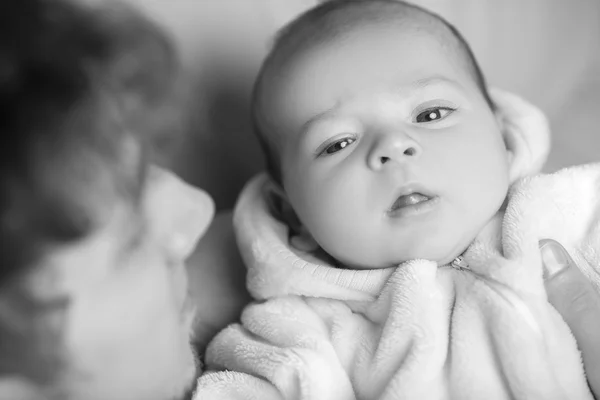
[394, 241]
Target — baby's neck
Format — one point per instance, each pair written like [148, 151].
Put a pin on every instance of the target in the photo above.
[491, 234]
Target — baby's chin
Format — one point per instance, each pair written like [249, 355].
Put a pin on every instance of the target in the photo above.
[444, 253]
[399, 260]
[441, 256]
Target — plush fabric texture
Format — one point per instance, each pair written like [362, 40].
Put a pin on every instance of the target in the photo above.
[416, 331]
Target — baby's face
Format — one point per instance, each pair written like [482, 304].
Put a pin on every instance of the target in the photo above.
[389, 151]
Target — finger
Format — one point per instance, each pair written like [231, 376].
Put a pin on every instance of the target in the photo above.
[577, 301]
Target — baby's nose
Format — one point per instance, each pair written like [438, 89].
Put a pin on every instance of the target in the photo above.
[393, 147]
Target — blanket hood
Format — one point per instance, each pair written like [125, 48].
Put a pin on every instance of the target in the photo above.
[276, 268]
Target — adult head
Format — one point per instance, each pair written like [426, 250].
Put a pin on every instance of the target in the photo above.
[93, 241]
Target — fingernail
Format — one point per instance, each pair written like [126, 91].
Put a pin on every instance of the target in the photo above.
[554, 257]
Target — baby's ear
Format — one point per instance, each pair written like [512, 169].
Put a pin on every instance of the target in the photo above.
[300, 238]
[526, 133]
[511, 145]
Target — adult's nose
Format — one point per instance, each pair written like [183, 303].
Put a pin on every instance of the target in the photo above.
[181, 212]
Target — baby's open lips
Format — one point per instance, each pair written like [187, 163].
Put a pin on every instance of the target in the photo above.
[410, 195]
[409, 200]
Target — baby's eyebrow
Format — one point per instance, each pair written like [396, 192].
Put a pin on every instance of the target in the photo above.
[433, 80]
[419, 84]
[306, 125]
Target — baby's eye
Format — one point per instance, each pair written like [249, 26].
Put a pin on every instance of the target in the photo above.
[434, 114]
[337, 146]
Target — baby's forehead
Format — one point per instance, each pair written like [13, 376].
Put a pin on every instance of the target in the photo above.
[307, 52]
[312, 32]
[327, 29]
[349, 17]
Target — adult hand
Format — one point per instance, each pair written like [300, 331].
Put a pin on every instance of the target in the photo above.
[574, 297]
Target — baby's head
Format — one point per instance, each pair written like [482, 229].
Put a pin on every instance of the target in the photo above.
[377, 124]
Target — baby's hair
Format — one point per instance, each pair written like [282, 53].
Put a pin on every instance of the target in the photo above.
[75, 82]
[334, 18]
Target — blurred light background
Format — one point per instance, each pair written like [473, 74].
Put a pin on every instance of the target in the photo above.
[545, 50]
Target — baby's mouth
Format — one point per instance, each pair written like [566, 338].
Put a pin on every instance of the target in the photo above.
[413, 200]
[410, 199]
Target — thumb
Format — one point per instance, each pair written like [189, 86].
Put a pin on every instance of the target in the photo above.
[574, 297]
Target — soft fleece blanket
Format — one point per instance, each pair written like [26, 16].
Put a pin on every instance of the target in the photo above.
[416, 331]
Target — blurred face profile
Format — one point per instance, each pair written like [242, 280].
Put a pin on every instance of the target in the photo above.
[128, 326]
[93, 286]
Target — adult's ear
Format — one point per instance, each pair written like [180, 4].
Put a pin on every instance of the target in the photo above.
[300, 237]
[526, 133]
